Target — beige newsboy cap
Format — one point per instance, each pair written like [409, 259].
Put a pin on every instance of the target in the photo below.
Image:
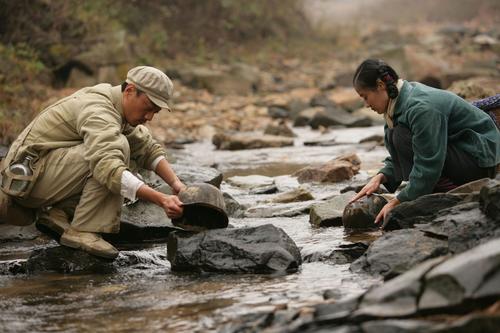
[154, 83]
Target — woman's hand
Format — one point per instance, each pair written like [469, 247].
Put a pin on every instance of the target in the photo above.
[382, 215]
[372, 186]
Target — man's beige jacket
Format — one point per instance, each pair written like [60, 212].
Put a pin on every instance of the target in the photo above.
[93, 117]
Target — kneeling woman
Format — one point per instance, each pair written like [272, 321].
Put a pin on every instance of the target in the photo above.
[436, 140]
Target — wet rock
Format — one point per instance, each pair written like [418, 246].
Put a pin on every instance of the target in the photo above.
[337, 117]
[16, 233]
[329, 213]
[471, 275]
[397, 326]
[299, 194]
[279, 210]
[379, 139]
[361, 214]
[464, 226]
[277, 112]
[341, 168]
[233, 207]
[344, 254]
[321, 143]
[398, 251]
[336, 311]
[62, 259]
[295, 106]
[397, 297]
[252, 182]
[420, 210]
[142, 222]
[263, 249]
[141, 259]
[12, 267]
[474, 186]
[279, 129]
[490, 200]
[269, 189]
[304, 117]
[473, 323]
[188, 174]
[249, 141]
[322, 100]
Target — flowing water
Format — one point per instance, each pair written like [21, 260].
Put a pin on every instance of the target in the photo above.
[149, 297]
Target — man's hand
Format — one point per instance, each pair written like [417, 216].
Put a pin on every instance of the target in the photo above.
[372, 186]
[382, 215]
[177, 186]
[171, 205]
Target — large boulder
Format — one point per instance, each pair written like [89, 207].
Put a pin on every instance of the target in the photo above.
[329, 213]
[62, 259]
[471, 275]
[240, 141]
[464, 226]
[341, 168]
[421, 210]
[263, 249]
[142, 221]
[398, 251]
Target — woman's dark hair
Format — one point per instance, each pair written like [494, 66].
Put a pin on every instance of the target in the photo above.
[370, 71]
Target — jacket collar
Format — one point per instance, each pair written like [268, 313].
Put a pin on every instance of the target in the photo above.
[117, 98]
[403, 95]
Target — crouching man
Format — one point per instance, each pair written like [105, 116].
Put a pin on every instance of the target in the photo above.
[77, 156]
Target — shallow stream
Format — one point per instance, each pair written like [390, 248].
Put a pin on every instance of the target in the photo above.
[149, 297]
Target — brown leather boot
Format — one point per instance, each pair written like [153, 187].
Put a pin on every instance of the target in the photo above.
[12, 213]
[89, 242]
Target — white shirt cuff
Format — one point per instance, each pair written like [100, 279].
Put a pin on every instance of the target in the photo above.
[130, 185]
[156, 161]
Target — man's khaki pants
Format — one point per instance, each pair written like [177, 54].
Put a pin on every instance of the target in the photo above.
[66, 183]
